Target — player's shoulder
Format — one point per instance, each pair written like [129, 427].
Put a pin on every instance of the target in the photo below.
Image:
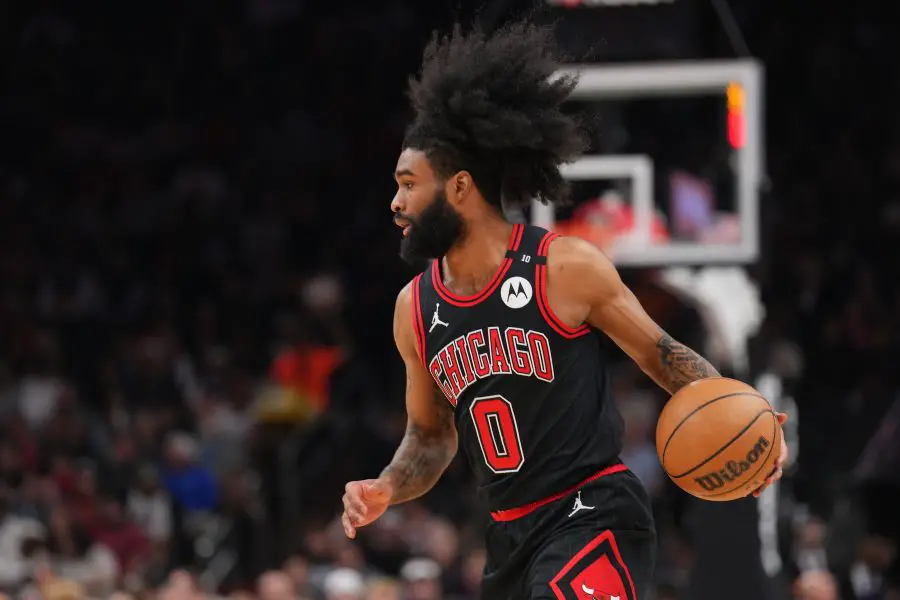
[405, 295]
[570, 253]
[403, 310]
[413, 287]
[408, 296]
[579, 268]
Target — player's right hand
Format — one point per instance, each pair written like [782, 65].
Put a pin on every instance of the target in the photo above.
[364, 501]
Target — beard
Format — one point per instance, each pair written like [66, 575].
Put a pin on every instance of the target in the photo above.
[437, 228]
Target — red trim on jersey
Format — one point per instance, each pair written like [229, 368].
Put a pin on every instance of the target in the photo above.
[511, 514]
[540, 282]
[606, 536]
[545, 242]
[467, 301]
[418, 325]
[518, 231]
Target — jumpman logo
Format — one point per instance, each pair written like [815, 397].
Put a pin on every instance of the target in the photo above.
[579, 505]
[436, 320]
[590, 594]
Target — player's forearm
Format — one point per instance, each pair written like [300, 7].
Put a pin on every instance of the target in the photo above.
[676, 365]
[419, 462]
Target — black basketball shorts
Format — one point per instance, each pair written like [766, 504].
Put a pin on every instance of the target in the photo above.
[596, 541]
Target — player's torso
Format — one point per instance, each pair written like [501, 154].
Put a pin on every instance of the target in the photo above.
[531, 395]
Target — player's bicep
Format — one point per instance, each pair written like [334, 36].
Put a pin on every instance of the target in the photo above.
[608, 303]
[427, 408]
[590, 278]
[621, 316]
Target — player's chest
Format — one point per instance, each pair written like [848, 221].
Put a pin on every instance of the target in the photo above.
[469, 349]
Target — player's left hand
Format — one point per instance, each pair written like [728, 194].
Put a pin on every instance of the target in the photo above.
[776, 474]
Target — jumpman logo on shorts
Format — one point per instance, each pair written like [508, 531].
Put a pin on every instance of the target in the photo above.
[590, 593]
[435, 319]
[579, 505]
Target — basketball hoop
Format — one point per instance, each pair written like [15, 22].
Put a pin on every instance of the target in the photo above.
[673, 224]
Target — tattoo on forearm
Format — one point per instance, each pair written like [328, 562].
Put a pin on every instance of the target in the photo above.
[680, 365]
[423, 454]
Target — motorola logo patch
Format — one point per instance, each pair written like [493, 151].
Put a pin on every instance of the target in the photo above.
[516, 292]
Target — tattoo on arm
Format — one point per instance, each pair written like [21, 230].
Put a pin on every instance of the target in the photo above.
[423, 454]
[679, 365]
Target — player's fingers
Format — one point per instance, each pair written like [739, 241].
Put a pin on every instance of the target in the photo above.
[355, 508]
[354, 493]
[355, 518]
[349, 530]
[356, 502]
[769, 481]
[775, 476]
[782, 418]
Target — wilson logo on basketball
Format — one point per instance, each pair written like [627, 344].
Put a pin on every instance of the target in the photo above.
[733, 469]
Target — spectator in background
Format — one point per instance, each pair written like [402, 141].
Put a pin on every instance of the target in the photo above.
[472, 572]
[383, 589]
[224, 420]
[73, 556]
[422, 579]
[638, 448]
[297, 568]
[15, 532]
[41, 386]
[37, 497]
[111, 528]
[443, 546]
[150, 507]
[77, 483]
[277, 585]
[344, 584]
[19, 451]
[180, 585]
[12, 468]
[61, 590]
[815, 585]
[239, 532]
[191, 485]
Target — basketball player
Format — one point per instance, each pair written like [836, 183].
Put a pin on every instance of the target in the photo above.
[501, 333]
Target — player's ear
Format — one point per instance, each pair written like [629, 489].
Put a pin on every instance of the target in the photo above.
[459, 185]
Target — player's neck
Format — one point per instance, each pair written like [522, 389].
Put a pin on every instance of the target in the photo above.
[472, 263]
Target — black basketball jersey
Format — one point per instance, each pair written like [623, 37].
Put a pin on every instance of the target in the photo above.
[531, 395]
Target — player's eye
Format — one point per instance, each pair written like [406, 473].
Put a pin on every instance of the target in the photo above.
[408, 185]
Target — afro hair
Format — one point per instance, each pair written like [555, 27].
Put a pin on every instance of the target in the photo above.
[489, 104]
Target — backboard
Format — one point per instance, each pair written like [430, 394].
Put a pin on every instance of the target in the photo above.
[646, 210]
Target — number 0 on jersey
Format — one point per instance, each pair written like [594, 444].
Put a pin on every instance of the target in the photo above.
[498, 433]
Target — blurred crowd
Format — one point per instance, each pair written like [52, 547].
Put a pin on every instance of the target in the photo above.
[198, 274]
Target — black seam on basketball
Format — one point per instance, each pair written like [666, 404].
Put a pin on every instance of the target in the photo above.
[695, 411]
[771, 447]
[725, 447]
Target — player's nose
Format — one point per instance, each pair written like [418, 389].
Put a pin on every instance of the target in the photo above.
[396, 204]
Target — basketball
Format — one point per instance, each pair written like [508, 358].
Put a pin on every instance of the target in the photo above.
[718, 439]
